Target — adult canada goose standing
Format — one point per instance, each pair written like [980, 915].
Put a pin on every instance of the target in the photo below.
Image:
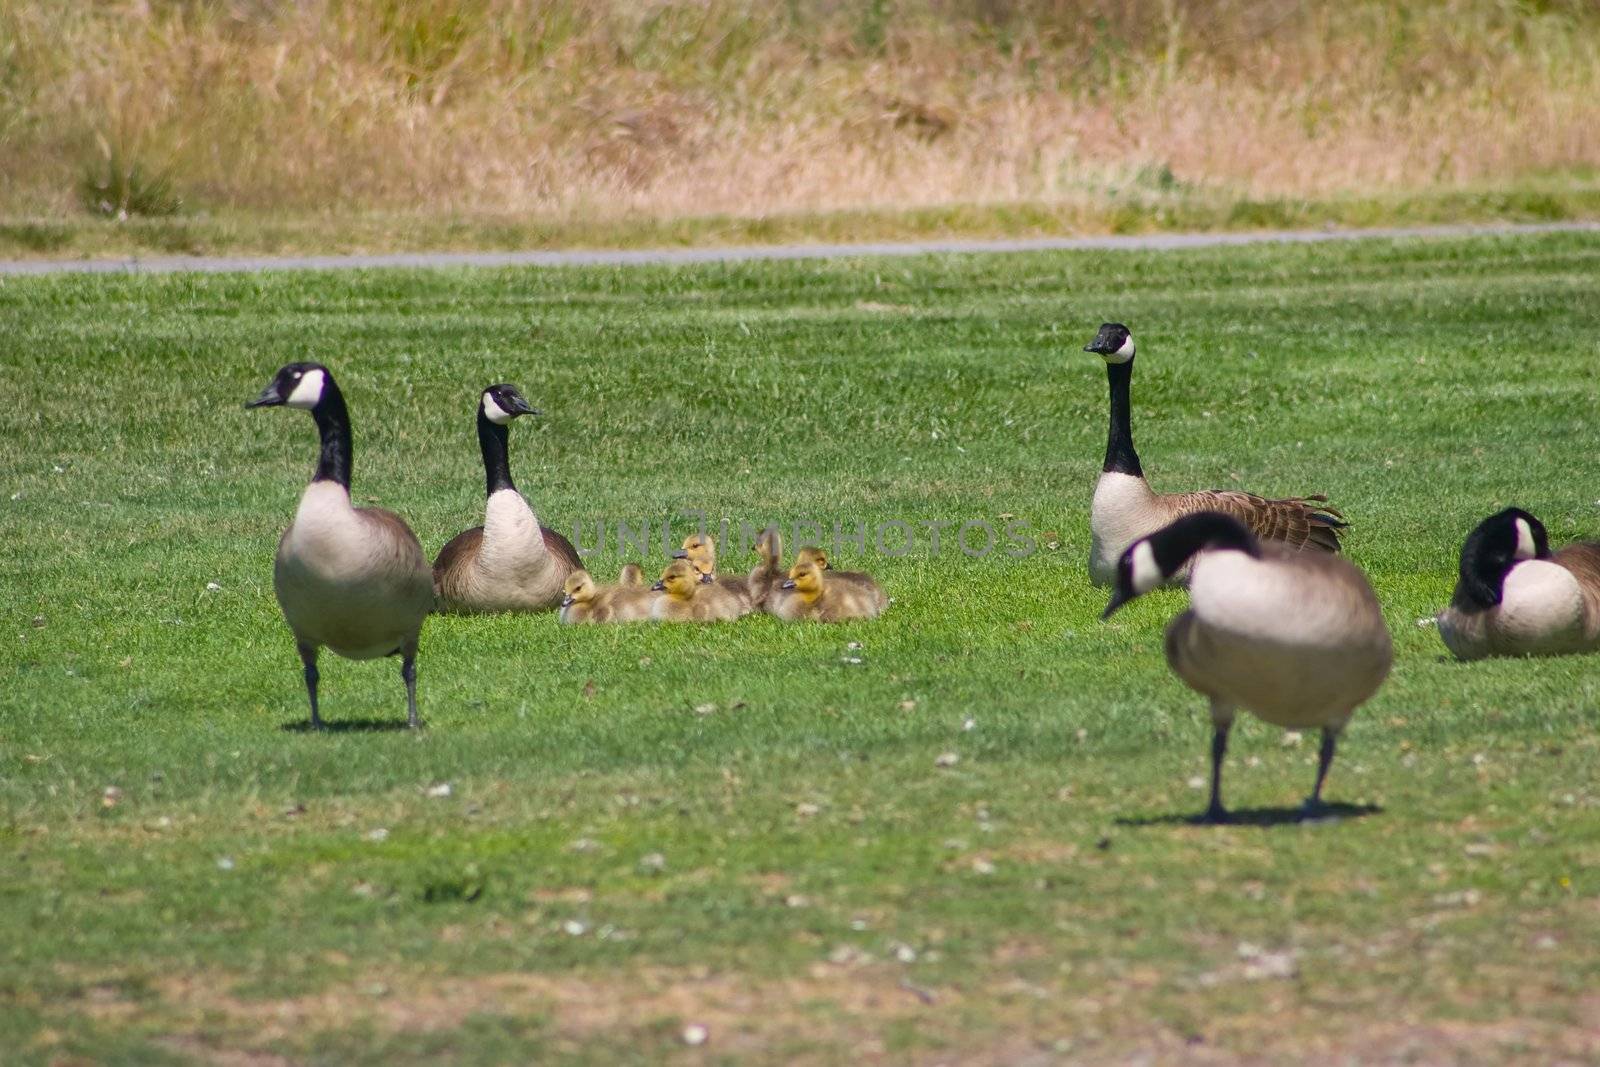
[1125, 508]
[1515, 598]
[1296, 638]
[351, 579]
[510, 563]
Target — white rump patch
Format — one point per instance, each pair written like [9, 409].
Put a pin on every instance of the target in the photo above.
[1526, 547]
[497, 414]
[1123, 354]
[308, 390]
[1146, 571]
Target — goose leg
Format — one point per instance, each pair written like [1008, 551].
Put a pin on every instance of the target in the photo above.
[408, 671]
[1215, 812]
[308, 657]
[1330, 741]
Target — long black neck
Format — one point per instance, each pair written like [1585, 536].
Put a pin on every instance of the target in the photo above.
[1120, 456]
[1174, 544]
[493, 440]
[333, 424]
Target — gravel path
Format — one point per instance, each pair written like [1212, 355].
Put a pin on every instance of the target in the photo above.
[674, 256]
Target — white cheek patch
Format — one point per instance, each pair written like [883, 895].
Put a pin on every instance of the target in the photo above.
[1123, 354]
[1146, 571]
[1526, 547]
[307, 391]
[496, 414]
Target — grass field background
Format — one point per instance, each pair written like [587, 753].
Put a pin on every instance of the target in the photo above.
[735, 827]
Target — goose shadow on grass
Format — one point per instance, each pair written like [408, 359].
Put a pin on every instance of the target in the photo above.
[1263, 817]
[345, 726]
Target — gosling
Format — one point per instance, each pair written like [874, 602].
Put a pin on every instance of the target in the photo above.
[629, 600]
[819, 595]
[701, 550]
[686, 597]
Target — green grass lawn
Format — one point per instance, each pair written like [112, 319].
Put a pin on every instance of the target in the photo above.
[736, 827]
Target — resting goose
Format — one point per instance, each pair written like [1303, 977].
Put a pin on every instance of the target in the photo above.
[1295, 638]
[860, 579]
[351, 579]
[689, 598]
[767, 576]
[629, 600]
[701, 551]
[1125, 508]
[510, 563]
[1515, 598]
[822, 596]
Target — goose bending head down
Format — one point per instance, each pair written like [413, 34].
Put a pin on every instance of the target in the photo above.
[1295, 638]
[511, 562]
[350, 579]
[1514, 597]
[1125, 508]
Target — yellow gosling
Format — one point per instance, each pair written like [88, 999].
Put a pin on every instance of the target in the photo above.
[817, 594]
[686, 597]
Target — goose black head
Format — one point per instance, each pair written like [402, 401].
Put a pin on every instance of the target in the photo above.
[1154, 560]
[1113, 343]
[296, 385]
[1495, 545]
[503, 402]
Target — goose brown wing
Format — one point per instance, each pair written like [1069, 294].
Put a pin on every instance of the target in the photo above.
[395, 535]
[561, 548]
[1301, 522]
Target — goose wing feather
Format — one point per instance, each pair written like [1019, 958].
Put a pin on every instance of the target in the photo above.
[1301, 522]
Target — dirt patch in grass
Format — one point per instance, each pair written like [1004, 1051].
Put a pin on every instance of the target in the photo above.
[871, 1012]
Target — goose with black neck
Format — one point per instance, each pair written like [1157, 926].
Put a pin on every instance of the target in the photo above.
[354, 580]
[1296, 638]
[511, 562]
[1125, 508]
[1514, 597]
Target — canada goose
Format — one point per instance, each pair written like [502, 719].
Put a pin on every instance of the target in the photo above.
[1296, 638]
[510, 563]
[859, 579]
[628, 600]
[768, 575]
[351, 579]
[689, 598]
[1125, 508]
[1514, 598]
[814, 593]
[701, 551]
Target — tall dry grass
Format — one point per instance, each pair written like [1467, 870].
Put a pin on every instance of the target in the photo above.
[570, 108]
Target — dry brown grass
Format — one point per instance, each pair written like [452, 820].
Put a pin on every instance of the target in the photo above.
[616, 108]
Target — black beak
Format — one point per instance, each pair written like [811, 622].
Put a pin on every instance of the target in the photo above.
[1118, 598]
[787, 585]
[707, 579]
[1090, 347]
[566, 602]
[270, 397]
[680, 554]
[520, 406]
[658, 587]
